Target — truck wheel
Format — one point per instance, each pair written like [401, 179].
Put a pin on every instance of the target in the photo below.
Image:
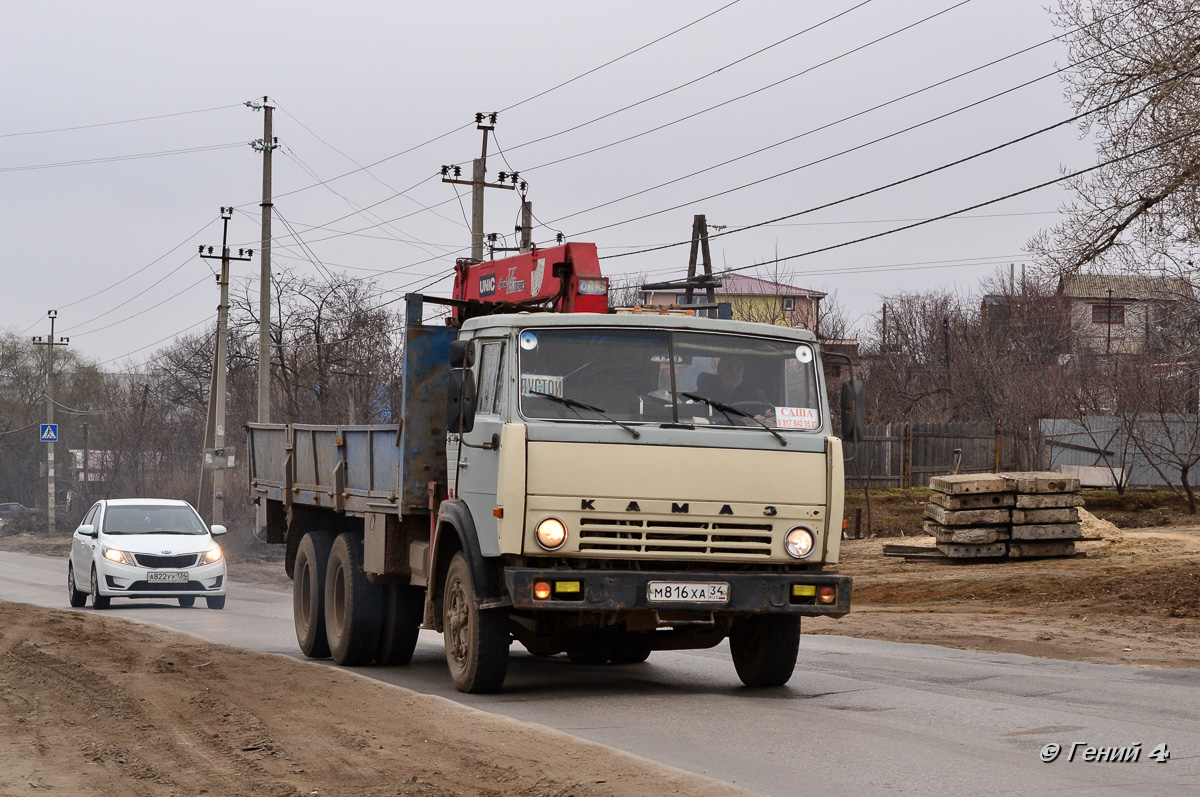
[631, 654]
[74, 596]
[764, 648]
[476, 640]
[403, 611]
[588, 655]
[308, 593]
[352, 604]
[98, 601]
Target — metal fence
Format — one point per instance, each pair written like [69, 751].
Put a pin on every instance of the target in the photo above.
[908, 454]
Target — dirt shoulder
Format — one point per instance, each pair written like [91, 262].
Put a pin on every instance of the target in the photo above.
[165, 713]
[1132, 597]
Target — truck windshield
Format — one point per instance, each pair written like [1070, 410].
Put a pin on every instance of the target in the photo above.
[642, 376]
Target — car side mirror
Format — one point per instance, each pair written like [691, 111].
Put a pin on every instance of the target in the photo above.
[854, 414]
[217, 531]
[87, 530]
[460, 401]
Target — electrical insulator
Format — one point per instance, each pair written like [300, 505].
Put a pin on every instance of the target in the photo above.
[503, 176]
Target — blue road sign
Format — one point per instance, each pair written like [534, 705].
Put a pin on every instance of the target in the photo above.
[49, 432]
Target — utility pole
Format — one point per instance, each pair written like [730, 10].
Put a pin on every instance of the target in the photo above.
[526, 228]
[215, 431]
[266, 145]
[700, 241]
[1108, 314]
[50, 343]
[478, 182]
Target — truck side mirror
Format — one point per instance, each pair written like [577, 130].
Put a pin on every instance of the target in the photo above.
[460, 401]
[462, 354]
[854, 414]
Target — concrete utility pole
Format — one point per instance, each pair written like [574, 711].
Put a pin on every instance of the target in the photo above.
[526, 225]
[50, 343]
[216, 397]
[266, 145]
[478, 182]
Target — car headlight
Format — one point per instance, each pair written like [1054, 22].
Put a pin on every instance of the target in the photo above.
[799, 542]
[211, 556]
[551, 533]
[114, 555]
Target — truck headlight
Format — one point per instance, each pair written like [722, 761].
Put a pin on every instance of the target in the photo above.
[551, 533]
[114, 555]
[799, 542]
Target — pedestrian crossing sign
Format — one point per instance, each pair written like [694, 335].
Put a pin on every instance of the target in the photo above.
[49, 432]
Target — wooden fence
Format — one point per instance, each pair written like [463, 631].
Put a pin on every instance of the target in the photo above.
[908, 454]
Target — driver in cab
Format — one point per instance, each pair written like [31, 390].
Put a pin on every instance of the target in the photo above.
[728, 384]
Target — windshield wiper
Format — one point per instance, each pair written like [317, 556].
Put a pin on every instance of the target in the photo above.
[573, 404]
[725, 408]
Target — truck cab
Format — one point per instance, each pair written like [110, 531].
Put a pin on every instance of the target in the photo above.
[642, 482]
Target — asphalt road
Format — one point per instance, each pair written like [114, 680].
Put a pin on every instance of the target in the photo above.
[859, 717]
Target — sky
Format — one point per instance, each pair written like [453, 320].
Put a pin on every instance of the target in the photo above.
[126, 130]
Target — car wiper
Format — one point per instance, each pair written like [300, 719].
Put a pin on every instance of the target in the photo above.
[573, 404]
[725, 408]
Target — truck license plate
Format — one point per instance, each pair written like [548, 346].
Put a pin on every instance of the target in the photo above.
[173, 577]
[688, 591]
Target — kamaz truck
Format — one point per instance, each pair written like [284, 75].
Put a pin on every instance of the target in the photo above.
[571, 479]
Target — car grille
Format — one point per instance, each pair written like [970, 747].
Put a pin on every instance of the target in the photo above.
[661, 538]
[166, 562]
[146, 586]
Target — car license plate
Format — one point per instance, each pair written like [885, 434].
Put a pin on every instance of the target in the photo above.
[171, 577]
[688, 591]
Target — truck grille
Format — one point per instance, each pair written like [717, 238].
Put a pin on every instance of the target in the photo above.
[165, 562]
[675, 537]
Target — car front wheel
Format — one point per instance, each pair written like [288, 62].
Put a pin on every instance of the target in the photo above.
[75, 597]
[98, 601]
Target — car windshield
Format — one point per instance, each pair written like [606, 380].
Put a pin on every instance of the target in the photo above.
[152, 519]
[661, 376]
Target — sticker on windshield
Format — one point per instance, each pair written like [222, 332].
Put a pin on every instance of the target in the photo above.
[532, 384]
[796, 418]
[804, 354]
[528, 341]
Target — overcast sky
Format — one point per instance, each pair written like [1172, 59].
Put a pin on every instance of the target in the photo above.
[111, 244]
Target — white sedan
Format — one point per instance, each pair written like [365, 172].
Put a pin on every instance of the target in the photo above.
[145, 548]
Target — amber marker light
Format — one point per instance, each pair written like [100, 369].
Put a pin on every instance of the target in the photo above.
[803, 590]
[826, 594]
[541, 590]
[566, 586]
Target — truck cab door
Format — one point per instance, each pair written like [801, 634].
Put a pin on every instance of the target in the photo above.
[478, 453]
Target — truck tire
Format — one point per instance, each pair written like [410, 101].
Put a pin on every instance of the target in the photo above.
[476, 640]
[764, 648]
[403, 612]
[634, 653]
[308, 593]
[588, 656]
[353, 604]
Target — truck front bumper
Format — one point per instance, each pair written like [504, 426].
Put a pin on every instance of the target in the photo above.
[616, 590]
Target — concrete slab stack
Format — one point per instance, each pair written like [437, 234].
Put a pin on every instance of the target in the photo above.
[1015, 515]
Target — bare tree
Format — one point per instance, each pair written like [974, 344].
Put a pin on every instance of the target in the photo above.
[1139, 214]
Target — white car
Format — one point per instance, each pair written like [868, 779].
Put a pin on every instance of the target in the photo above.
[145, 548]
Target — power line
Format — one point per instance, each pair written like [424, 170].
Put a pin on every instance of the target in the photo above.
[510, 107]
[923, 222]
[119, 158]
[832, 124]
[708, 74]
[895, 183]
[143, 312]
[121, 122]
